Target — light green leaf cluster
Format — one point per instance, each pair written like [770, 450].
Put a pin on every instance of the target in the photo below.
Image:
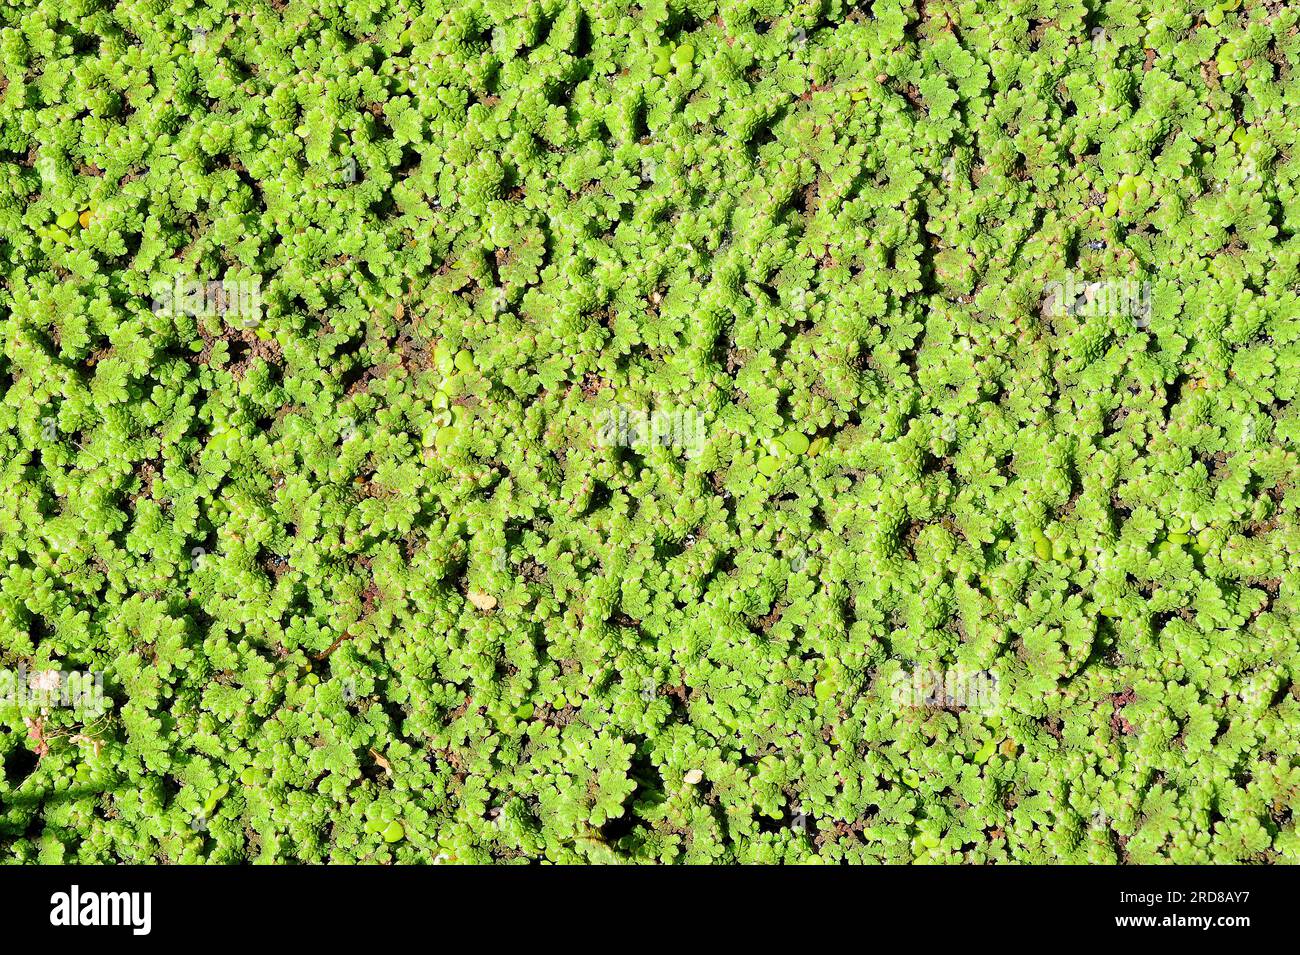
[956, 519]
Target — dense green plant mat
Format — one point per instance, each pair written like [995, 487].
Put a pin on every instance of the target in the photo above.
[367, 571]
